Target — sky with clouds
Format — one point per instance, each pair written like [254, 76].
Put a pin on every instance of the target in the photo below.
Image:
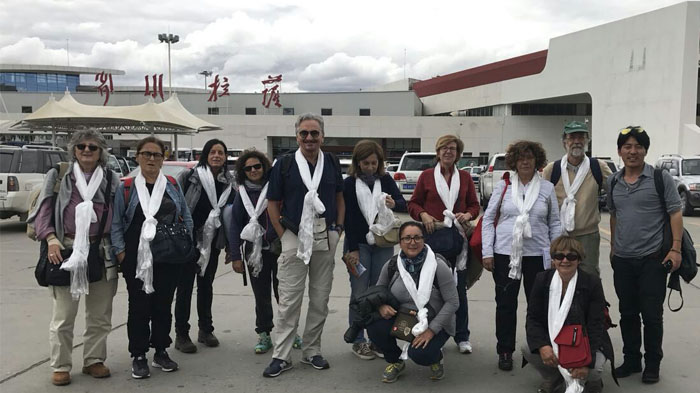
[315, 45]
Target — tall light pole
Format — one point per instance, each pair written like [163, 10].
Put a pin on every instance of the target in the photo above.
[206, 74]
[169, 39]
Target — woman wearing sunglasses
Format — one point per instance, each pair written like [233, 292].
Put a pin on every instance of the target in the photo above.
[565, 301]
[74, 218]
[253, 241]
[142, 205]
[207, 187]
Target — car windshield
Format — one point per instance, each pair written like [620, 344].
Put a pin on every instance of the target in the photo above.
[500, 164]
[5, 161]
[691, 167]
[418, 163]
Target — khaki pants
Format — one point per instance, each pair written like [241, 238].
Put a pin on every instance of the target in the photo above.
[591, 244]
[292, 273]
[98, 324]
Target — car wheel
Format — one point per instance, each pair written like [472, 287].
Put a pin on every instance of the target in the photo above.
[686, 207]
[23, 217]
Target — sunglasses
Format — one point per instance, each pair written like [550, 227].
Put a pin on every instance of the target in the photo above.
[572, 256]
[148, 155]
[251, 167]
[82, 146]
[314, 134]
[629, 129]
[408, 239]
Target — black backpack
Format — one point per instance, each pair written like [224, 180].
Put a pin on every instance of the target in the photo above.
[595, 171]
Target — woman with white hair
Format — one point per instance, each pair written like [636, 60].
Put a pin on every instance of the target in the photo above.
[74, 219]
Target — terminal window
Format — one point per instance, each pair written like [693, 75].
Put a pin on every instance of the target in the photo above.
[250, 111]
[288, 111]
[326, 111]
[213, 111]
[26, 109]
[364, 111]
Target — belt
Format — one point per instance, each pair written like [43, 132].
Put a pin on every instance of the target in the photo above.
[93, 238]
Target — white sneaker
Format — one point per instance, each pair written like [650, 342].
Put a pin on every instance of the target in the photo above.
[465, 347]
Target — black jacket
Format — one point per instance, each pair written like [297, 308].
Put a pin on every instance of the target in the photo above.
[586, 309]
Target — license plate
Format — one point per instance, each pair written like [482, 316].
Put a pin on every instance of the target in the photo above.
[409, 186]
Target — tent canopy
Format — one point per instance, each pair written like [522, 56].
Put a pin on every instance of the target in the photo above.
[67, 114]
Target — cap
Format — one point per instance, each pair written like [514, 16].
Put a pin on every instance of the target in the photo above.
[575, 126]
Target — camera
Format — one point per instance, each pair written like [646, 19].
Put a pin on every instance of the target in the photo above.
[668, 265]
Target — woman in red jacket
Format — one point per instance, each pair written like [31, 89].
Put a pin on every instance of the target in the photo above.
[446, 195]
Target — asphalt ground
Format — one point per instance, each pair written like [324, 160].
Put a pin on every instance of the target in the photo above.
[25, 311]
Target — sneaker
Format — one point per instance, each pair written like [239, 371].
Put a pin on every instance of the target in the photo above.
[392, 371]
[184, 344]
[465, 347]
[650, 374]
[276, 368]
[208, 339]
[297, 342]
[264, 343]
[317, 361]
[377, 351]
[139, 368]
[162, 361]
[437, 371]
[505, 361]
[363, 351]
[628, 368]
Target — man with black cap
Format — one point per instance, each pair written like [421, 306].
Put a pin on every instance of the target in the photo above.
[640, 264]
[577, 180]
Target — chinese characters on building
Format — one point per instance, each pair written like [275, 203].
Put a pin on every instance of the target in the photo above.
[272, 85]
[106, 87]
[157, 86]
[215, 88]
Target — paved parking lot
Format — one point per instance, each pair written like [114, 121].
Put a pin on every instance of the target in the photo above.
[25, 310]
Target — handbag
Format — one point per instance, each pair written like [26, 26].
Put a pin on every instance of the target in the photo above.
[405, 320]
[173, 244]
[390, 238]
[574, 347]
[445, 241]
[475, 242]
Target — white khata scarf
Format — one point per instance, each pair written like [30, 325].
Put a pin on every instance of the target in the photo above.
[77, 263]
[253, 231]
[313, 206]
[556, 316]
[373, 207]
[449, 196]
[150, 203]
[521, 227]
[420, 295]
[568, 207]
[213, 222]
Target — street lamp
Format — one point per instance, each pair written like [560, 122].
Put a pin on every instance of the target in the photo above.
[169, 39]
[206, 74]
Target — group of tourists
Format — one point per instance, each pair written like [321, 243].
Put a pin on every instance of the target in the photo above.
[280, 224]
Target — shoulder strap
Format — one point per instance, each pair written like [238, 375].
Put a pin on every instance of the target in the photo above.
[613, 182]
[128, 182]
[172, 181]
[595, 171]
[62, 168]
[659, 184]
[186, 181]
[286, 164]
[506, 178]
[556, 172]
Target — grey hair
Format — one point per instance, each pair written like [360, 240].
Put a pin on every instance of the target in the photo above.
[309, 116]
[81, 135]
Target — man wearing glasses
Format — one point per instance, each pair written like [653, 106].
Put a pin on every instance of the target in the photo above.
[639, 262]
[577, 192]
[307, 210]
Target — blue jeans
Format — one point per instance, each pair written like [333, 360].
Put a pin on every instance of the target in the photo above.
[373, 259]
[379, 333]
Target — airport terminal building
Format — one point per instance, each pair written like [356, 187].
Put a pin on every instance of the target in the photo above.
[642, 70]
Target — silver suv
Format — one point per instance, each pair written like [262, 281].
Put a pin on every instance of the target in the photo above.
[686, 174]
[491, 176]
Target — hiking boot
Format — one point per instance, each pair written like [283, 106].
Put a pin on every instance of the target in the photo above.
[628, 368]
[139, 368]
[437, 371]
[297, 342]
[276, 368]
[162, 361]
[208, 339]
[317, 362]
[60, 378]
[97, 370]
[363, 351]
[465, 347]
[505, 361]
[650, 374]
[377, 351]
[184, 344]
[392, 371]
[264, 343]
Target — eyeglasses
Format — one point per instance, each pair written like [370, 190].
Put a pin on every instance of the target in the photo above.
[408, 239]
[314, 134]
[629, 129]
[448, 148]
[249, 168]
[572, 256]
[82, 146]
[149, 154]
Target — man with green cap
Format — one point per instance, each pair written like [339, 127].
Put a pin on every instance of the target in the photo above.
[577, 180]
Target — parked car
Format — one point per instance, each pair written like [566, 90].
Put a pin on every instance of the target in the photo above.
[344, 166]
[475, 171]
[410, 167]
[170, 168]
[685, 171]
[391, 169]
[491, 177]
[118, 164]
[22, 172]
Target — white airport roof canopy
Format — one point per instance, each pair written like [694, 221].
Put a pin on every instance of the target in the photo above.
[67, 114]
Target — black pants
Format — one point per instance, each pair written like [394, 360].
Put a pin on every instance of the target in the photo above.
[640, 285]
[507, 291]
[151, 308]
[378, 333]
[462, 332]
[263, 286]
[205, 295]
